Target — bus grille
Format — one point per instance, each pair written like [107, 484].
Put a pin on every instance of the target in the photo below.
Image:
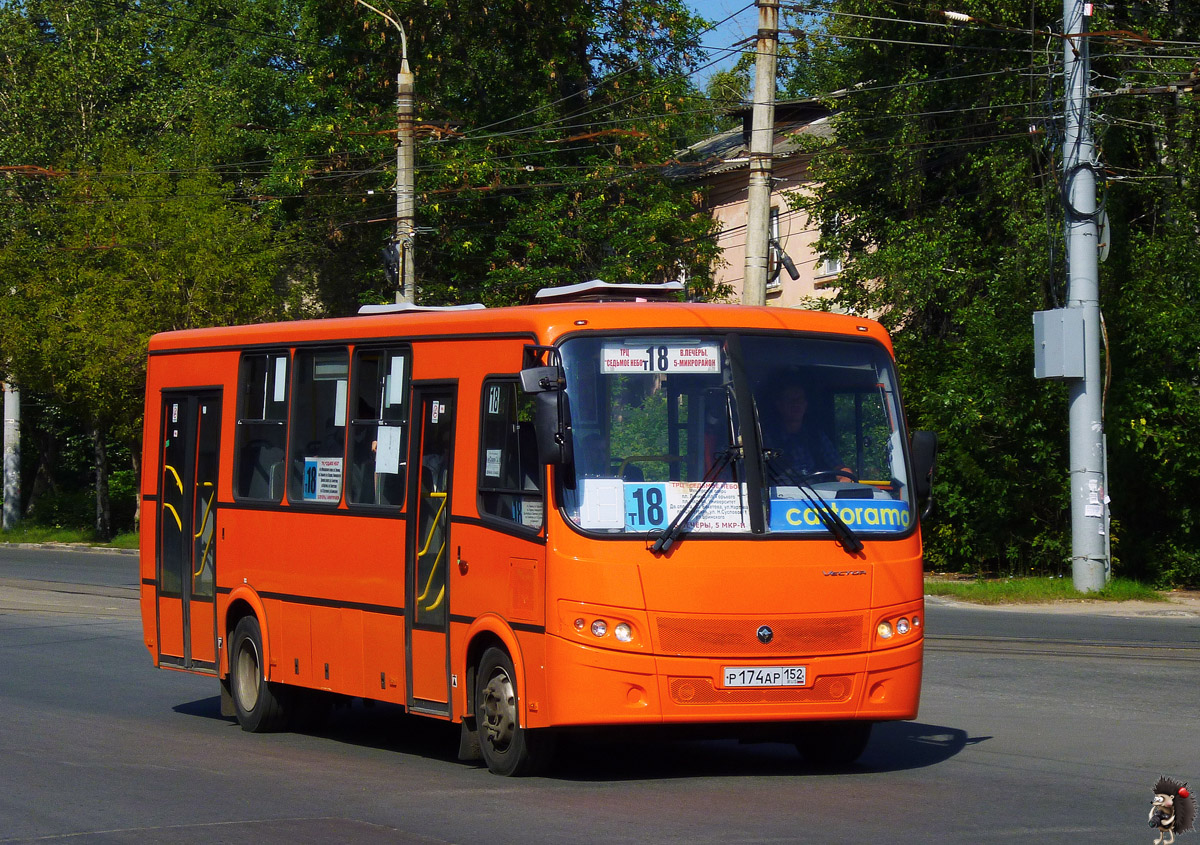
[827, 689]
[737, 636]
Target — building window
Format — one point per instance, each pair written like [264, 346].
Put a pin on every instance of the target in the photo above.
[830, 266]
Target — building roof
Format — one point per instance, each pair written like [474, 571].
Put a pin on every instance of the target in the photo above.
[730, 151]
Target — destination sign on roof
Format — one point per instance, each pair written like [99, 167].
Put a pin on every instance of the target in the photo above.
[660, 357]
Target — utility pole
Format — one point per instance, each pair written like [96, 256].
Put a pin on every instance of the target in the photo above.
[405, 188]
[12, 456]
[1090, 565]
[762, 143]
[403, 244]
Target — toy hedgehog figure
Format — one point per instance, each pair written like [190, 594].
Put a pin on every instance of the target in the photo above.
[1173, 810]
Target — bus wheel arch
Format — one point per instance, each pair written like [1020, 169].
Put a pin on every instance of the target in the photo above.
[242, 603]
[488, 631]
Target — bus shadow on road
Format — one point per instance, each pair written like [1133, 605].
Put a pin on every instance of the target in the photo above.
[894, 746]
[615, 754]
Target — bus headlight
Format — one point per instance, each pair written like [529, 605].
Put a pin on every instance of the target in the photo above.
[891, 629]
[603, 626]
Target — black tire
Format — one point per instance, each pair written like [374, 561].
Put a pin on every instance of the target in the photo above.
[833, 745]
[508, 749]
[260, 704]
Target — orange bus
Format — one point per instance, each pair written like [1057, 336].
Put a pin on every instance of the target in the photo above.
[529, 520]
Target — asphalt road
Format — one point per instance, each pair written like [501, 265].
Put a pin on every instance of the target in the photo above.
[1033, 726]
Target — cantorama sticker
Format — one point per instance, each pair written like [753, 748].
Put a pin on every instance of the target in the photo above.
[860, 515]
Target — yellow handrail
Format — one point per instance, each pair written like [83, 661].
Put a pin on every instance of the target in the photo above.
[203, 523]
[436, 563]
[178, 480]
[433, 526]
[441, 596]
[436, 517]
[174, 513]
[207, 508]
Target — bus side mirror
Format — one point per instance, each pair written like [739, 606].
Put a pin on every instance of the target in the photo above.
[552, 425]
[551, 414]
[541, 379]
[924, 458]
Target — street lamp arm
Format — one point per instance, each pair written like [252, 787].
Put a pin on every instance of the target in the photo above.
[397, 24]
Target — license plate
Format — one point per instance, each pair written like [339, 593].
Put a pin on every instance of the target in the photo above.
[763, 676]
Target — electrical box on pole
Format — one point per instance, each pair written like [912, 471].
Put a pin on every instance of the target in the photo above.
[1057, 339]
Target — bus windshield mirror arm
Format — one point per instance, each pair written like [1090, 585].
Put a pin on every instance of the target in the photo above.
[828, 515]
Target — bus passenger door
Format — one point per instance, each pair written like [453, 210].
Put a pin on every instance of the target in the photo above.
[187, 517]
[428, 550]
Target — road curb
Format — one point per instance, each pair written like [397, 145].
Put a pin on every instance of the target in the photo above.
[1171, 608]
[74, 547]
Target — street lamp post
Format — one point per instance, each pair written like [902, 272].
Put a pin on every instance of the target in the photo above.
[405, 168]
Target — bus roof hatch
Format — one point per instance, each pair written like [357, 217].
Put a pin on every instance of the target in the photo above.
[408, 307]
[598, 291]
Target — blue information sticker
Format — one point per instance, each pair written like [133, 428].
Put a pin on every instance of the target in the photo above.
[310, 478]
[645, 506]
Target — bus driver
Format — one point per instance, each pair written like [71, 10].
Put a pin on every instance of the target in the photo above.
[802, 449]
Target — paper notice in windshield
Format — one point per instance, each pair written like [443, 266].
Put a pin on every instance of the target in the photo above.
[660, 358]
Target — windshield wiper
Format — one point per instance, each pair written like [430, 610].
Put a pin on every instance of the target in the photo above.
[672, 531]
[828, 515]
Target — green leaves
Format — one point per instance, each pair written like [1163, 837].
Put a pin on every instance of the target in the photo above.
[941, 190]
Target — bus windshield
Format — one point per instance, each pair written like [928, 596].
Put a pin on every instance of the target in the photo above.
[653, 416]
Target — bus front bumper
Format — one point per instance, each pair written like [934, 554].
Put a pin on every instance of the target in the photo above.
[592, 686]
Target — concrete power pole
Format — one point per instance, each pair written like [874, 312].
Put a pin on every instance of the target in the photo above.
[1090, 566]
[12, 456]
[405, 188]
[762, 143]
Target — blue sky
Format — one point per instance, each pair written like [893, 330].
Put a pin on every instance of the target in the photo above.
[743, 25]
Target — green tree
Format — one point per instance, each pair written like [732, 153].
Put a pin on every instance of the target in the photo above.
[118, 218]
[178, 164]
[544, 132]
[941, 193]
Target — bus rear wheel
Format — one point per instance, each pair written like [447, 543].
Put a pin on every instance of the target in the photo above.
[258, 702]
[508, 748]
[833, 745]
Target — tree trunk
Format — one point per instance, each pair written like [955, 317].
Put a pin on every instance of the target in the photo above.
[103, 511]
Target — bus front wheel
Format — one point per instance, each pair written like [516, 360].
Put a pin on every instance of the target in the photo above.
[507, 747]
[259, 703]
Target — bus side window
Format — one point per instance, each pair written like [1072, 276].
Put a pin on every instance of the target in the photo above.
[378, 427]
[261, 426]
[510, 477]
[318, 431]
